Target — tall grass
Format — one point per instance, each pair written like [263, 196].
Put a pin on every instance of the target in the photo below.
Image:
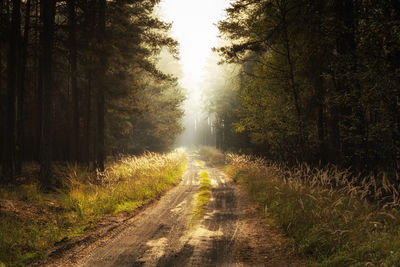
[337, 219]
[37, 220]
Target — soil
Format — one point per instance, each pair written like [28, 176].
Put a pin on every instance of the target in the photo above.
[231, 233]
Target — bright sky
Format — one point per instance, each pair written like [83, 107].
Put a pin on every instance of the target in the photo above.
[195, 30]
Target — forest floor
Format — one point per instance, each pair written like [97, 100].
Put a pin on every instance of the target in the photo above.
[230, 233]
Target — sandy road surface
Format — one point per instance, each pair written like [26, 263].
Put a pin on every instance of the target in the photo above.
[231, 233]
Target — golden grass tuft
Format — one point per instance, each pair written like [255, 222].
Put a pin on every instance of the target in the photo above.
[337, 219]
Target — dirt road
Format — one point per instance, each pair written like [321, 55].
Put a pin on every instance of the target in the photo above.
[230, 234]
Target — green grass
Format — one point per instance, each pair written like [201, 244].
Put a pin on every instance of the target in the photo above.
[326, 214]
[35, 220]
[201, 198]
[128, 206]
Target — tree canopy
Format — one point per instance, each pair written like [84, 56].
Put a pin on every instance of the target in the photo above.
[319, 80]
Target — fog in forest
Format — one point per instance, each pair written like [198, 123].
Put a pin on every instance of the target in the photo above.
[194, 26]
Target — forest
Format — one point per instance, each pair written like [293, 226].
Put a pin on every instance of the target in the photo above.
[287, 111]
[79, 82]
[315, 81]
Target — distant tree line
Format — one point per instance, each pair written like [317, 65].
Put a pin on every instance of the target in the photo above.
[78, 82]
[319, 81]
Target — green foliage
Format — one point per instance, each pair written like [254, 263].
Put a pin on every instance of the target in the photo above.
[138, 90]
[34, 223]
[329, 218]
[268, 115]
[152, 129]
[319, 80]
[128, 206]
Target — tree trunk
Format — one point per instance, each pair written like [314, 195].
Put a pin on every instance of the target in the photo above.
[88, 111]
[292, 83]
[319, 87]
[218, 133]
[3, 22]
[46, 38]
[21, 91]
[8, 170]
[37, 83]
[2, 131]
[73, 80]
[100, 155]
[89, 22]
[345, 45]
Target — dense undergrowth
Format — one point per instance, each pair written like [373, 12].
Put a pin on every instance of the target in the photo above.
[32, 221]
[333, 218]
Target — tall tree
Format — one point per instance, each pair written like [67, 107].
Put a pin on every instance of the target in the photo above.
[88, 42]
[9, 160]
[21, 88]
[3, 34]
[101, 37]
[47, 8]
[73, 61]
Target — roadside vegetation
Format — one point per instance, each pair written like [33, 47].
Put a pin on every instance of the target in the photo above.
[333, 217]
[201, 198]
[32, 221]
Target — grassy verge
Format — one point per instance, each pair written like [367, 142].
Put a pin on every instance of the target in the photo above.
[201, 198]
[32, 221]
[330, 217]
[212, 155]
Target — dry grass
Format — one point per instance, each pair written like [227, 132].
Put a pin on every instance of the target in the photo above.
[31, 221]
[336, 219]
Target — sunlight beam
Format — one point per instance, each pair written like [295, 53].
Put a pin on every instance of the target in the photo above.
[194, 27]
